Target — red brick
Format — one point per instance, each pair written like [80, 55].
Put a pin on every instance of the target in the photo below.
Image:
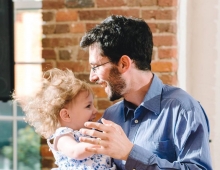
[45, 152]
[66, 15]
[48, 54]
[49, 29]
[83, 76]
[132, 3]
[75, 41]
[167, 27]
[127, 12]
[141, 3]
[148, 2]
[65, 54]
[79, 4]
[110, 3]
[83, 55]
[48, 163]
[164, 66]
[47, 16]
[62, 28]
[77, 28]
[52, 4]
[74, 66]
[59, 42]
[153, 27]
[164, 40]
[46, 42]
[93, 14]
[89, 26]
[167, 3]
[159, 14]
[167, 53]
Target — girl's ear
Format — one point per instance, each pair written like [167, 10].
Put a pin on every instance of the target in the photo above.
[64, 115]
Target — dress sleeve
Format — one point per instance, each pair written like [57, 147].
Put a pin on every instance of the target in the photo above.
[59, 132]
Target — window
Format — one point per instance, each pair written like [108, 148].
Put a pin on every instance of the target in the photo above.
[19, 144]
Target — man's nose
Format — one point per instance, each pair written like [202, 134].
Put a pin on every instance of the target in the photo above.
[93, 77]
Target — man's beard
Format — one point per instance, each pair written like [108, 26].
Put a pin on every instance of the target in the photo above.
[116, 83]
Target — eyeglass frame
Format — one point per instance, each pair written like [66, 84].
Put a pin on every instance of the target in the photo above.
[94, 68]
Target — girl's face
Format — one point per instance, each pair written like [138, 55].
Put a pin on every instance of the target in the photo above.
[81, 110]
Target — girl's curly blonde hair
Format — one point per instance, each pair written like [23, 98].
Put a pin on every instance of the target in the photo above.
[58, 88]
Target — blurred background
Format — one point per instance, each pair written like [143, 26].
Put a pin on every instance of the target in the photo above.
[36, 35]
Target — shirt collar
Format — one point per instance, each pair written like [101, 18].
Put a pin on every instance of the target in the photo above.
[151, 100]
[153, 96]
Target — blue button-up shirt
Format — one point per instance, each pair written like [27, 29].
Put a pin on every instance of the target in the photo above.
[170, 130]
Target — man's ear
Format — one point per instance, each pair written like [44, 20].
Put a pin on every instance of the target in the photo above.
[124, 63]
[64, 115]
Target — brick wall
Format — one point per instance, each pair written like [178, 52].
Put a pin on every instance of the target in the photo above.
[65, 21]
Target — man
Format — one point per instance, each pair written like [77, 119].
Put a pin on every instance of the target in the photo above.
[155, 126]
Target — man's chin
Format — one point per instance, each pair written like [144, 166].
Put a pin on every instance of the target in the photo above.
[111, 96]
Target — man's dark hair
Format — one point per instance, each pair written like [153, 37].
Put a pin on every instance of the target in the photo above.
[119, 35]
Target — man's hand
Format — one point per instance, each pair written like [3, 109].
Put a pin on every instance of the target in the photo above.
[110, 137]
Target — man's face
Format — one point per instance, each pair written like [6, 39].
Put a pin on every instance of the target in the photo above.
[106, 74]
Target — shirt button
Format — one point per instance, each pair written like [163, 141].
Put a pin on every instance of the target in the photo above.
[136, 121]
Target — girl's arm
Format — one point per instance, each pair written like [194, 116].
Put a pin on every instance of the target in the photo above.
[69, 147]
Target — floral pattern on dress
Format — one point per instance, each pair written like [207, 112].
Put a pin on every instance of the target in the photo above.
[94, 162]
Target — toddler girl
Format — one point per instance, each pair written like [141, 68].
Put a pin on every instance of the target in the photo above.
[57, 112]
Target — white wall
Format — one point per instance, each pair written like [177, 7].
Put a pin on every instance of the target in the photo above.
[199, 61]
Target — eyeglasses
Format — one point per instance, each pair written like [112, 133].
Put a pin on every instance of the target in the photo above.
[94, 68]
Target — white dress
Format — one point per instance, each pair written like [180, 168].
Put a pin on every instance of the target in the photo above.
[94, 162]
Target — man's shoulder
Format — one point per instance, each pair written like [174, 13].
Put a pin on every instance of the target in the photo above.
[180, 96]
[172, 91]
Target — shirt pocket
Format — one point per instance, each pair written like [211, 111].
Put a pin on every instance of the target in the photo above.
[164, 149]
